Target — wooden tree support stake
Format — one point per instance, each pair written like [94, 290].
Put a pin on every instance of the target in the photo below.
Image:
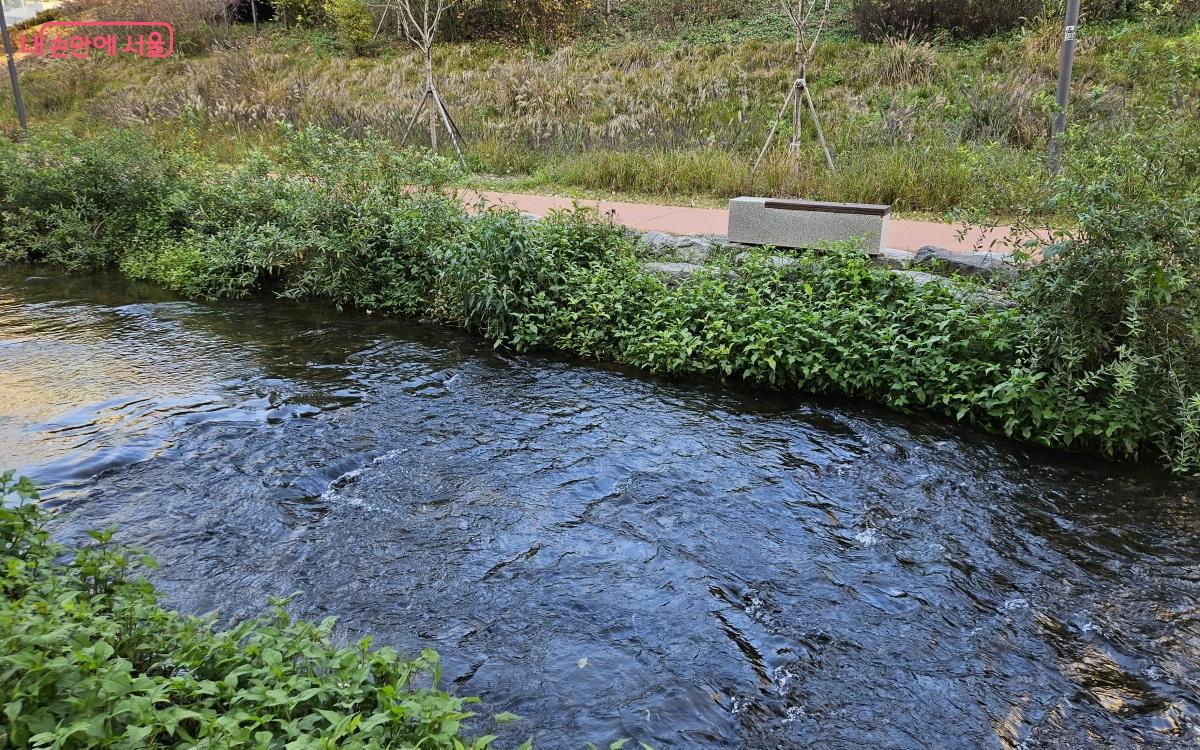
[447, 121]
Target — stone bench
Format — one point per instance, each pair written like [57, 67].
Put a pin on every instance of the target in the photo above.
[807, 224]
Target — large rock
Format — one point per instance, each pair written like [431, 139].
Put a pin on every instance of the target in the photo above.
[685, 248]
[893, 258]
[778, 261]
[920, 278]
[965, 263]
[673, 273]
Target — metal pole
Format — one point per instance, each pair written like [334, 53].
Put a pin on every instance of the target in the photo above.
[254, 14]
[1059, 125]
[12, 71]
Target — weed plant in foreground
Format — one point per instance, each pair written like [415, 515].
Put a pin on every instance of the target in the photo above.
[89, 658]
[1098, 350]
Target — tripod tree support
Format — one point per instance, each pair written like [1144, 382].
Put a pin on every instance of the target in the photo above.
[798, 91]
[432, 95]
[800, 97]
[419, 19]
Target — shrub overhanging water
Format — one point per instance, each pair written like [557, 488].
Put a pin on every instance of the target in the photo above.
[1099, 353]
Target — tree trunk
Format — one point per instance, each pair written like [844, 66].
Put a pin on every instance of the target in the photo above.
[433, 117]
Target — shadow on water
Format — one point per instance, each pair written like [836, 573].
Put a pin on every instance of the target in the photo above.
[609, 555]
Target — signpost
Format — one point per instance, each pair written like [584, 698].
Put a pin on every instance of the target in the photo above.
[12, 70]
[1059, 126]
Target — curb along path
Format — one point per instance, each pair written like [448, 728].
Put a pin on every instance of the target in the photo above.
[902, 234]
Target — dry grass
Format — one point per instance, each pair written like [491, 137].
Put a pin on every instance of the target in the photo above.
[905, 62]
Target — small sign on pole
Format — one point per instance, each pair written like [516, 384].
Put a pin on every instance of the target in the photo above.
[12, 70]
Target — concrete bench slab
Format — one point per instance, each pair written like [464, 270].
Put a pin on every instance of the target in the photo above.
[807, 224]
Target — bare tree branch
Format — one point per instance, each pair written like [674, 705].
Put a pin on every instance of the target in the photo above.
[812, 48]
[419, 20]
[801, 16]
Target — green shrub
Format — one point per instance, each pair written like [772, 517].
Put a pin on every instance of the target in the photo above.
[878, 19]
[79, 203]
[1117, 323]
[1171, 13]
[505, 277]
[89, 658]
[1103, 10]
[354, 23]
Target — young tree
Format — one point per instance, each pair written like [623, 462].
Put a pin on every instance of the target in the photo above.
[800, 13]
[419, 21]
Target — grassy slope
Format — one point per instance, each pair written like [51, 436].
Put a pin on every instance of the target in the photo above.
[926, 127]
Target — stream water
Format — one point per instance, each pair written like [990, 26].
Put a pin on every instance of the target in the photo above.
[608, 555]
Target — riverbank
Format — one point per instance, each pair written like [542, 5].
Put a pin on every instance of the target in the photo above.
[1067, 356]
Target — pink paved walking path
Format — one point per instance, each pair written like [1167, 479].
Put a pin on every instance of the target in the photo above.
[902, 234]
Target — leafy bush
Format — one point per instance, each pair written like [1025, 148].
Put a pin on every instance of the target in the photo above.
[354, 23]
[1169, 12]
[1117, 327]
[1104, 10]
[544, 21]
[877, 19]
[79, 203]
[506, 276]
[329, 217]
[89, 658]
[1172, 14]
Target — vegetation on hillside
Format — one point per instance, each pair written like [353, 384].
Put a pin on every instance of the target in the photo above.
[89, 658]
[1099, 350]
[678, 108]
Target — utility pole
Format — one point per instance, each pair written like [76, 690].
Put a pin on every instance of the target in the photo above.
[12, 71]
[1059, 126]
[254, 14]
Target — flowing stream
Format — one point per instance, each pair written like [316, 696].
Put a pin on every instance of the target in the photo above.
[688, 564]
